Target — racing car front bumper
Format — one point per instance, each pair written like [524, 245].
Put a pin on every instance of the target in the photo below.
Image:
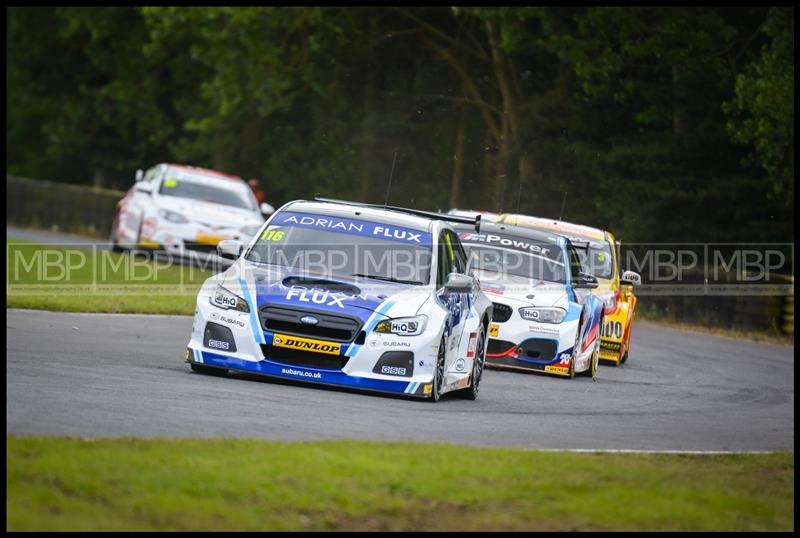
[237, 341]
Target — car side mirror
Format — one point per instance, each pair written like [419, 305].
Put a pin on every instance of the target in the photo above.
[458, 283]
[139, 175]
[266, 209]
[630, 278]
[585, 281]
[230, 249]
[145, 186]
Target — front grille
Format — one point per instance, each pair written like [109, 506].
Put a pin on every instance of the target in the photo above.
[295, 357]
[286, 320]
[501, 312]
[539, 348]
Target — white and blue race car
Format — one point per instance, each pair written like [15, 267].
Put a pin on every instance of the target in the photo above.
[545, 317]
[347, 294]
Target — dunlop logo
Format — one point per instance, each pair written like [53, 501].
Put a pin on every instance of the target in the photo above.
[306, 344]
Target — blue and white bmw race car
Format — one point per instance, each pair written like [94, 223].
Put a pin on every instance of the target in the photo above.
[347, 294]
[545, 318]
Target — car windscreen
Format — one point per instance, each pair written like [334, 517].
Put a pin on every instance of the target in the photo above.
[596, 259]
[345, 247]
[200, 189]
[511, 255]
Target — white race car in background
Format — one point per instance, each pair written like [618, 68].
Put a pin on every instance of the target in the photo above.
[347, 294]
[545, 317]
[184, 210]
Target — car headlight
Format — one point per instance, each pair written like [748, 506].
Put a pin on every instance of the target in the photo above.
[543, 314]
[228, 300]
[172, 216]
[250, 231]
[403, 326]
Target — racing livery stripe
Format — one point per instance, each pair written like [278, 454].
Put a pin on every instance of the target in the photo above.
[573, 313]
[254, 325]
[590, 338]
[370, 324]
[328, 377]
[412, 387]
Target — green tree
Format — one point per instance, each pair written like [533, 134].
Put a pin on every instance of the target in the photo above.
[762, 113]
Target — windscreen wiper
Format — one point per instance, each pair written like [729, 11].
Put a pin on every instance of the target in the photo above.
[389, 279]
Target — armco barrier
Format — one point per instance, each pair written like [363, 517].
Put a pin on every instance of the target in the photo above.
[62, 206]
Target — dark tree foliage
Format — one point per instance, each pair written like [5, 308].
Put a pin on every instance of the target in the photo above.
[660, 124]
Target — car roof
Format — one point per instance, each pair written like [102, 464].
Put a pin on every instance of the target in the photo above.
[517, 231]
[558, 226]
[361, 212]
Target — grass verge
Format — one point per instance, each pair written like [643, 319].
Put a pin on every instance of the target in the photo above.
[81, 279]
[239, 484]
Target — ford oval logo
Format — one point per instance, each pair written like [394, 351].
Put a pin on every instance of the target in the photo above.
[309, 320]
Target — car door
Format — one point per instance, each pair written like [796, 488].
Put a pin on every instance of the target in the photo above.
[456, 304]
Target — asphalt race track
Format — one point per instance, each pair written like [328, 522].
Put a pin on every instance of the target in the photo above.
[98, 375]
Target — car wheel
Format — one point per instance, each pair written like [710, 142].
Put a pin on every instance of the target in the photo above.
[624, 357]
[438, 374]
[591, 371]
[209, 370]
[595, 359]
[471, 392]
[574, 353]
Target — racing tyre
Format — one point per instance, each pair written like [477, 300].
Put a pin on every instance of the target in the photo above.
[591, 371]
[209, 370]
[471, 392]
[438, 373]
[574, 354]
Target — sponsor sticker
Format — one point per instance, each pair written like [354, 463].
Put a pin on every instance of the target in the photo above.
[301, 373]
[321, 297]
[169, 183]
[473, 343]
[272, 233]
[232, 321]
[393, 370]
[544, 330]
[306, 344]
[356, 227]
[396, 344]
[218, 344]
[494, 329]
